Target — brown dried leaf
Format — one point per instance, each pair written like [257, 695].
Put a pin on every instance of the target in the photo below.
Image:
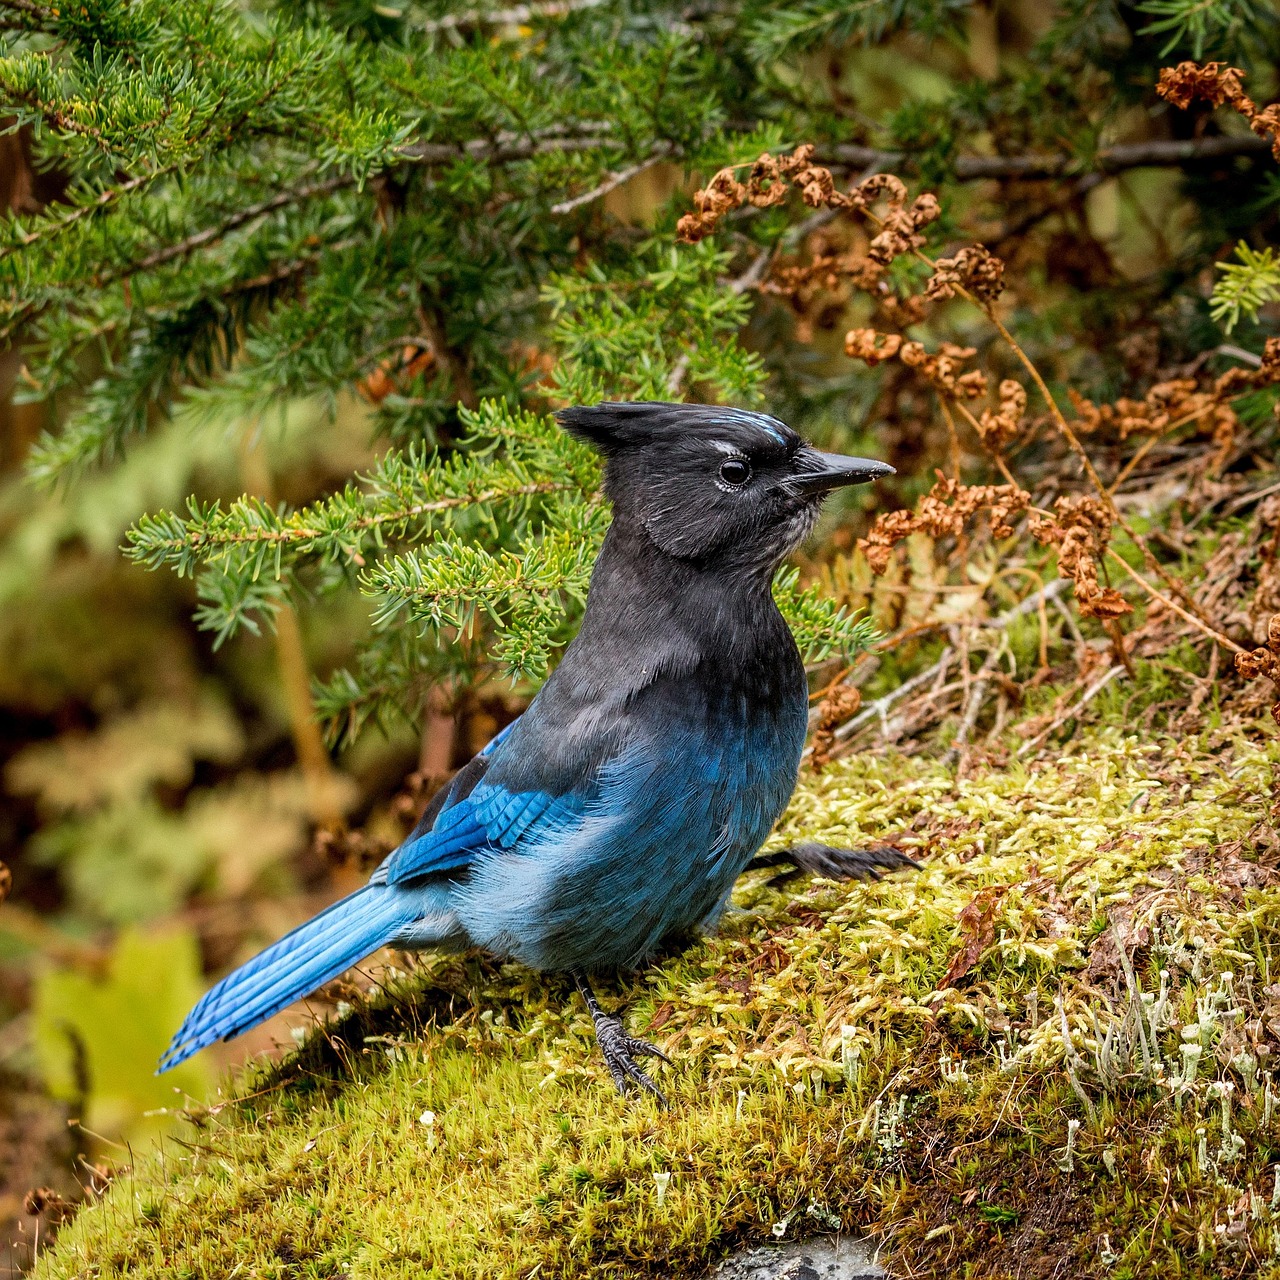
[1216, 84]
[1000, 427]
[1079, 530]
[47, 1203]
[395, 372]
[977, 932]
[1252, 663]
[873, 347]
[942, 512]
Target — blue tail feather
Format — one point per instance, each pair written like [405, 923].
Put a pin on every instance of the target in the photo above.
[307, 958]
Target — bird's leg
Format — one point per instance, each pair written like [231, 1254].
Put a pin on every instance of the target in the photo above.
[835, 864]
[620, 1049]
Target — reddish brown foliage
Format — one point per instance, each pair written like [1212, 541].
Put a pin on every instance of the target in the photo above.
[47, 1203]
[1177, 402]
[827, 269]
[941, 368]
[1079, 530]
[1166, 404]
[1264, 661]
[840, 703]
[397, 372]
[1002, 426]
[1217, 84]
[973, 268]
[873, 347]
[1080, 525]
[770, 179]
[1169, 405]
[942, 512]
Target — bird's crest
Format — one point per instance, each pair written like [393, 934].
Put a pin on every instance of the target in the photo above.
[618, 425]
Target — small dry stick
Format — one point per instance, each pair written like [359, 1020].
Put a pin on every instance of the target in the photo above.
[614, 180]
[1089, 695]
[1211, 632]
[953, 437]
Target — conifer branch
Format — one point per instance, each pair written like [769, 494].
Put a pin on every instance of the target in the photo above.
[31, 17]
[211, 235]
[30, 9]
[52, 227]
[516, 15]
[1160, 153]
[250, 521]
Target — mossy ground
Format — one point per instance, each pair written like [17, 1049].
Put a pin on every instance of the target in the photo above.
[465, 1126]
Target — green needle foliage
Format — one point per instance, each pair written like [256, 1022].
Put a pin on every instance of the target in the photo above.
[265, 203]
[1247, 285]
[1200, 23]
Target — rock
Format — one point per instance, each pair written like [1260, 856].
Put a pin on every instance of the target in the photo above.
[820, 1258]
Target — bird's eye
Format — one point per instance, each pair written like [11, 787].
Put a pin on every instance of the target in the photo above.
[735, 471]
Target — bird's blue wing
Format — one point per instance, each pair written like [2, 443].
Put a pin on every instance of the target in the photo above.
[490, 817]
[460, 785]
[472, 814]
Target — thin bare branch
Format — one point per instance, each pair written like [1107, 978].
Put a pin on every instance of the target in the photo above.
[506, 147]
[211, 235]
[1159, 154]
[54, 226]
[517, 15]
[1212, 632]
[615, 180]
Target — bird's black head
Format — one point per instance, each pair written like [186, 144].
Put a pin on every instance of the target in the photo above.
[710, 484]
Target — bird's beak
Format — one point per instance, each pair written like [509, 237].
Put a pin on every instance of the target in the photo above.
[834, 471]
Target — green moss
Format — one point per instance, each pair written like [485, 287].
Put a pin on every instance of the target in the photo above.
[464, 1125]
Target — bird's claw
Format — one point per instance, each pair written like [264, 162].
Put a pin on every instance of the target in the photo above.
[620, 1053]
[621, 1049]
[836, 864]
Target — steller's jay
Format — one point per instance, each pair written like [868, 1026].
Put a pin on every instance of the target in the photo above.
[619, 809]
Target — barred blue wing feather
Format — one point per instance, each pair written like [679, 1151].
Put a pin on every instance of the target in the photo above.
[489, 818]
[449, 845]
[446, 839]
[461, 784]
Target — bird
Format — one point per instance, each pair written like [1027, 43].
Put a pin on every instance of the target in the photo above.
[615, 814]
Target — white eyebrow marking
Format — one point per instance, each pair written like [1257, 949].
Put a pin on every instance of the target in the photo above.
[747, 418]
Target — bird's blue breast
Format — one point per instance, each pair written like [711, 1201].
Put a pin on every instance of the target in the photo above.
[651, 848]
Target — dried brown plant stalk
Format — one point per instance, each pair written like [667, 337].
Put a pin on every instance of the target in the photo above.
[770, 180]
[1079, 531]
[840, 702]
[1264, 661]
[1080, 526]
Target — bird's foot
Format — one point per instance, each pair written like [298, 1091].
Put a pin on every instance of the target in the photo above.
[620, 1053]
[837, 864]
[621, 1049]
